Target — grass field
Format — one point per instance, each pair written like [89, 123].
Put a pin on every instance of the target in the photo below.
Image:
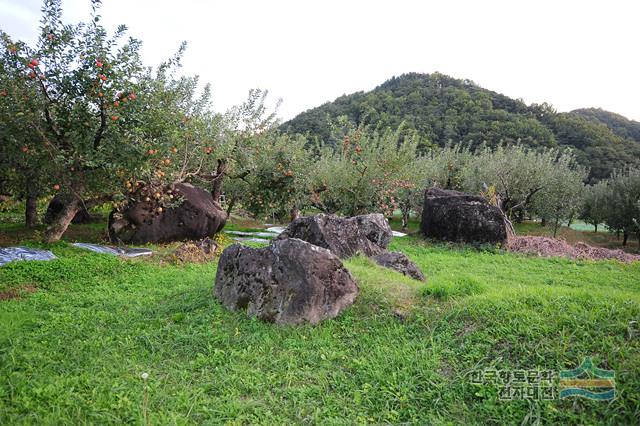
[74, 343]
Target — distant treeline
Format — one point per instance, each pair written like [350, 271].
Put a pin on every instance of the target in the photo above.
[446, 110]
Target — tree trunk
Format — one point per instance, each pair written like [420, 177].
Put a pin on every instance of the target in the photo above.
[58, 202]
[294, 214]
[570, 221]
[61, 222]
[232, 203]
[543, 222]
[216, 188]
[596, 226]
[555, 227]
[519, 216]
[31, 210]
[405, 220]
[625, 237]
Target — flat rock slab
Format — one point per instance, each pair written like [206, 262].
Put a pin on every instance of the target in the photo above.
[116, 251]
[401, 263]
[12, 254]
[345, 237]
[288, 282]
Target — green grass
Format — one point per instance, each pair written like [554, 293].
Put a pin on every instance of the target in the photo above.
[413, 226]
[72, 352]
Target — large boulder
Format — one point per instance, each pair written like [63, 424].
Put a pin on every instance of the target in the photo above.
[345, 237]
[459, 217]
[287, 282]
[197, 217]
[401, 263]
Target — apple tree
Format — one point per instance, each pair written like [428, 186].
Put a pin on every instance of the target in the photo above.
[623, 202]
[86, 116]
[562, 197]
[24, 167]
[361, 174]
[440, 167]
[595, 204]
[275, 182]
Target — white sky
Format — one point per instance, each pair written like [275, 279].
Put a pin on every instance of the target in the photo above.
[571, 53]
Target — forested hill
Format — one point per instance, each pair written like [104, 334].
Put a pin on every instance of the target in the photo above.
[444, 109]
[619, 124]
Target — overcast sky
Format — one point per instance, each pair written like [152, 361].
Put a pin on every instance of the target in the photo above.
[570, 53]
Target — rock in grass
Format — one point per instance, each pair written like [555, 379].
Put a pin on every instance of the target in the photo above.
[288, 282]
[345, 237]
[459, 217]
[401, 263]
[198, 216]
[368, 235]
